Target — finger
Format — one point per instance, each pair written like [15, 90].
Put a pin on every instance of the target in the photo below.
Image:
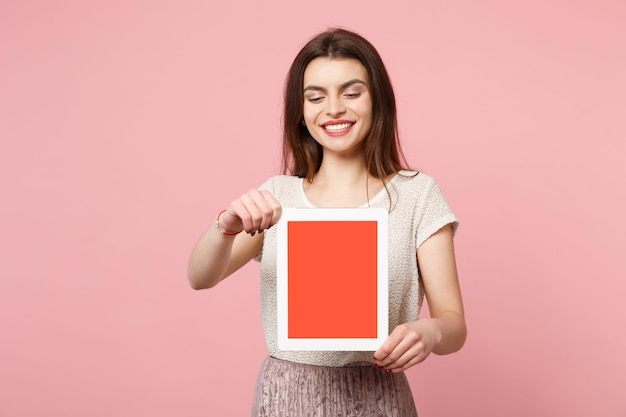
[402, 349]
[233, 217]
[398, 342]
[414, 361]
[251, 214]
[275, 205]
[386, 348]
[265, 208]
[409, 356]
[389, 344]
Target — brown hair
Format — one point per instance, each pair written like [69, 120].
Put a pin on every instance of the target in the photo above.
[302, 155]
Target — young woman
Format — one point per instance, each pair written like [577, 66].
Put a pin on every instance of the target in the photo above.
[341, 149]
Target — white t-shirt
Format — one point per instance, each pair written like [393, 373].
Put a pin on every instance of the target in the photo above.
[418, 209]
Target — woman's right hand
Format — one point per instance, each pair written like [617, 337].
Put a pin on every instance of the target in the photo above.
[255, 211]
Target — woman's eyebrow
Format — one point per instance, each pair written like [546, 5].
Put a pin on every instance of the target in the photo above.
[341, 87]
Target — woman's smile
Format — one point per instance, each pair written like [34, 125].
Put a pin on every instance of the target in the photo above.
[337, 127]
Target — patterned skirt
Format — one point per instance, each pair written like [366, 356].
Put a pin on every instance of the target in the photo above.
[289, 389]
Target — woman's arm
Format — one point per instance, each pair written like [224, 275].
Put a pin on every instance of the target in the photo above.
[216, 255]
[445, 331]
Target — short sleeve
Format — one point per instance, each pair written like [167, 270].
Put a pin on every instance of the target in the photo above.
[434, 214]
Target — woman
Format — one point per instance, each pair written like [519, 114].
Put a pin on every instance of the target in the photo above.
[341, 149]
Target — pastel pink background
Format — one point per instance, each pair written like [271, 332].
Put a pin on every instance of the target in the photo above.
[127, 125]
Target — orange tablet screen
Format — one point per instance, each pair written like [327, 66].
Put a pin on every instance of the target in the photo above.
[332, 279]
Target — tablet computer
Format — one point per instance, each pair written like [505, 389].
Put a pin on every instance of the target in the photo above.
[332, 283]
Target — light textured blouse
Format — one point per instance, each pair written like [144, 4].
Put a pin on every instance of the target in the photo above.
[417, 210]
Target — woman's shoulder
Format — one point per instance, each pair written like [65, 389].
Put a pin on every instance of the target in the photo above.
[281, 183]
[417, 188]
[283, 180]
[413, 180]
[420, 194]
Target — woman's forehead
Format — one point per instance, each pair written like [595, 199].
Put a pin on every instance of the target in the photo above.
[328, 72]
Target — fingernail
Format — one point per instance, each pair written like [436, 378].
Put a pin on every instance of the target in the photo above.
[388, 371]
[376, 365]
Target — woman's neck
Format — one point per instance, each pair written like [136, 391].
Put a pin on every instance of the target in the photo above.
[342, 172]
[342, 182]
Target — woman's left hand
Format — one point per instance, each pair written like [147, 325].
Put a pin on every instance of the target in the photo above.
[407, 345]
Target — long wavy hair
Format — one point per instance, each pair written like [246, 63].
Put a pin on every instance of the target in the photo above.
[302, 155]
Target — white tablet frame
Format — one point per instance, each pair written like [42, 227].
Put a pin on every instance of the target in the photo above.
[381, 217]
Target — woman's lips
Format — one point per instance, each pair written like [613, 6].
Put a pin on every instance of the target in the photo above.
[337, 128]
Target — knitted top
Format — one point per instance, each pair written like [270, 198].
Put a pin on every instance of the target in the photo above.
[418, 209]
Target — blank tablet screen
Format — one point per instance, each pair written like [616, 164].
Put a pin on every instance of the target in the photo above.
[332, 279]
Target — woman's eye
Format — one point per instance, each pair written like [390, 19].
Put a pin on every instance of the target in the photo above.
[352, 95]
[314, 99]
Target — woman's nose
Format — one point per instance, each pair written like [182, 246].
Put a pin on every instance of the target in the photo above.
[335, 107]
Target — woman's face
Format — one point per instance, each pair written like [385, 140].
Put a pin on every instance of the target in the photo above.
[337, 104]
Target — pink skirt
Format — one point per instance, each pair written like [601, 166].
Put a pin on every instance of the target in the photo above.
[289, 389]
